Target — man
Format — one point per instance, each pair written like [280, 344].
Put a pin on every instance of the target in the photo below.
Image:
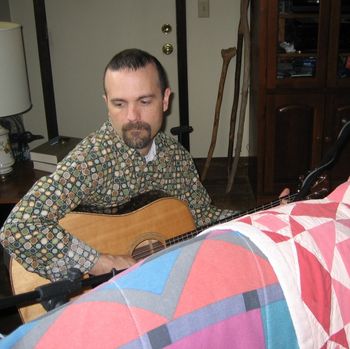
[127, 156]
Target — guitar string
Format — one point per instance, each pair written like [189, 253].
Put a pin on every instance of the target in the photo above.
[158, 246]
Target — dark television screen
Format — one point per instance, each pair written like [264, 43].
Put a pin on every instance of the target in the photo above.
[314, 5]
[305, 5]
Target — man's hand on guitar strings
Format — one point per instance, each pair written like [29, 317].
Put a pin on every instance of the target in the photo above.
[107, 262]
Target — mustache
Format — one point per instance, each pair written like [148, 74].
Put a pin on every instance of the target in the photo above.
[138, 125]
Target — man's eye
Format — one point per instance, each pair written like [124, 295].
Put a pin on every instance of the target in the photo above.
[118, 104]
[145, 101]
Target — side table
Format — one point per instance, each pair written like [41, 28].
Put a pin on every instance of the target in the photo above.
[18, 182]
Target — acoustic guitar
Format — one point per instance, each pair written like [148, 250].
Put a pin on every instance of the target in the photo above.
[139, 233]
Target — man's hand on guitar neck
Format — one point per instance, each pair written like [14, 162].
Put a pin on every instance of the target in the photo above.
[284, 196]
[107, 262]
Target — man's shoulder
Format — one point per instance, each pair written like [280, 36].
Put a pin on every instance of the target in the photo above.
[170, 149]
[166, 141]
[97, 143]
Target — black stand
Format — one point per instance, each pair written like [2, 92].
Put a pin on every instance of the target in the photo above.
[57, 293]
[182, 133]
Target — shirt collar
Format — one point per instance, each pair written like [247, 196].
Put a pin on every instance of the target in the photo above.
[152, 152]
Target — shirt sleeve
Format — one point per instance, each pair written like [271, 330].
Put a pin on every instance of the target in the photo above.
[199, 200]
[32, 233]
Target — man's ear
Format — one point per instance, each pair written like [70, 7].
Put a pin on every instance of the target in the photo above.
[166, 99]
[106, 101]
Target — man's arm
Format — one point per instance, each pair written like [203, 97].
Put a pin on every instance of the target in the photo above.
[198, 198]
[32, 234]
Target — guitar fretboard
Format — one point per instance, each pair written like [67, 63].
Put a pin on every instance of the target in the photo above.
[189, 235]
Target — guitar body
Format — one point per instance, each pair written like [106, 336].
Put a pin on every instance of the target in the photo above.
[139, 234]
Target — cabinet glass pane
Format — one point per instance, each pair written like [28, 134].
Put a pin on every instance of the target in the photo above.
[298, 25]
[344, 41]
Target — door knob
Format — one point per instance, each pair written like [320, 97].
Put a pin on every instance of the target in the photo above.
[166, 28]
[167, 49]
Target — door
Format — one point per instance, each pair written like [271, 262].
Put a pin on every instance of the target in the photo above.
[338, 114]
[83, 37]
[293, 139]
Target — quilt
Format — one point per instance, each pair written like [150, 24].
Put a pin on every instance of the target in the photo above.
[279, 278]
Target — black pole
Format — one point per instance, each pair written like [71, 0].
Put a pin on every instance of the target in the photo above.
[45, 68]
[181, 33]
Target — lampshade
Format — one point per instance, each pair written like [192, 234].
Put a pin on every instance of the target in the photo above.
[14, 88]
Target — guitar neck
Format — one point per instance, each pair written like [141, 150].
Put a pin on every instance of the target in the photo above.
[189, 235]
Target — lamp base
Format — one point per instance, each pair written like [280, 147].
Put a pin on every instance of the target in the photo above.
[6, 157]
[4, 176]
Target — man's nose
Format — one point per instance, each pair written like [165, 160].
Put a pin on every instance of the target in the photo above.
[133, 113]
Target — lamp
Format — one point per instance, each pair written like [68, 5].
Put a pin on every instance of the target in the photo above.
[14, 88]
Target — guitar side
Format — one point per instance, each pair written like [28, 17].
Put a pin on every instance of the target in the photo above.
[157, 221]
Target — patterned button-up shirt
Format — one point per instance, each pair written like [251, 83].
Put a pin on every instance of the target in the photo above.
[102, 171]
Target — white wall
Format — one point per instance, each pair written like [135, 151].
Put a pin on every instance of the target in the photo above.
[206, 38]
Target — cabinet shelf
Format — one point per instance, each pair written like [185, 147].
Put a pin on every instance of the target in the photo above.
[297, 54]
[290, 15]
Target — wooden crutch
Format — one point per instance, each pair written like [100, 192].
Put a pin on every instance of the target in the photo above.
[227, 55]
[245, 87]
[235, 102]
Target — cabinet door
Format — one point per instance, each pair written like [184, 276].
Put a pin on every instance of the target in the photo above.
[338, 114]
[297, 43]
[293, 134]
[339, 45]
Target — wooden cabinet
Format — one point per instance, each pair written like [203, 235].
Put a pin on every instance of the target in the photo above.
[300, 90]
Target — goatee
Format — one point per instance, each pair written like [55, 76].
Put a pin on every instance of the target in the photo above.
[137, 135]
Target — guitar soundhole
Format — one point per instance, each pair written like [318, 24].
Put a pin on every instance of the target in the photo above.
[147, 248]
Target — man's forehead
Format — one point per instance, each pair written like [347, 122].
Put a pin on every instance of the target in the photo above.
[144, 78]
[149, 68]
